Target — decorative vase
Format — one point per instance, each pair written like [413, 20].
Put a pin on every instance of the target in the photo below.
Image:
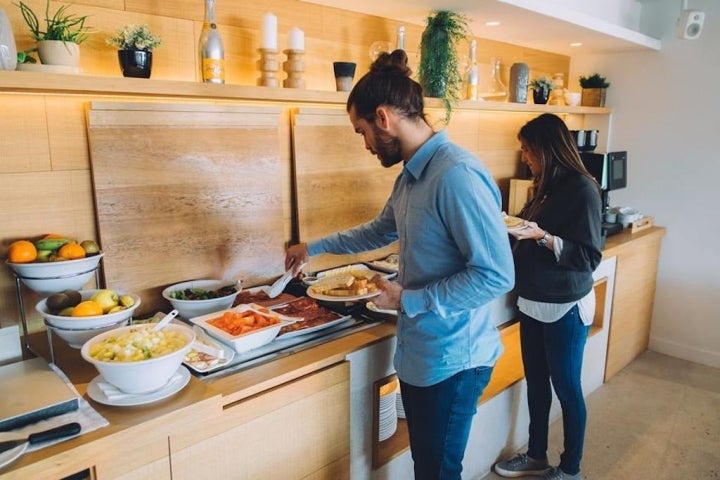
[519, 73]
[135, 63]
[540, 97]
[58, 52]
[593, 97]
[8, 50]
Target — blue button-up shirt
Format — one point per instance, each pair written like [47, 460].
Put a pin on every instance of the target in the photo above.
[455, 260]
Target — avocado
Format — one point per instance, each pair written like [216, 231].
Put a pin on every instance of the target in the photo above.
[57, 301]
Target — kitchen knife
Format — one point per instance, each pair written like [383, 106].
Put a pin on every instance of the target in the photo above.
[44, 436]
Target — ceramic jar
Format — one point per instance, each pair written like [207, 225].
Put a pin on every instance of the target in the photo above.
[519, 74]
[8, 49]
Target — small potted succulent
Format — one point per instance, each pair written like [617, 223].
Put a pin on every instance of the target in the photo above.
[58, 36]
[593, 90]
[541, 87]
[135, 44]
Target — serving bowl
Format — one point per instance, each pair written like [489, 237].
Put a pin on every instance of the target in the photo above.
[75, 323]
[193, 308]
[47, 278]
[243, 342]
[143, 375]
[76, 337]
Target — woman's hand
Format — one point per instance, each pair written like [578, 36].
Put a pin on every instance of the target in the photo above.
[531, 231]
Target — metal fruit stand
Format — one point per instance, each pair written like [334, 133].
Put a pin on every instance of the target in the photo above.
[21, 304]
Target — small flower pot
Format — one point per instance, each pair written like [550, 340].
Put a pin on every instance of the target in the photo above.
[135, 63]
[540, 97]
[57, 52]
[593, 97]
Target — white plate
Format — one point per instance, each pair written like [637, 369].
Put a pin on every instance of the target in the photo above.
[332, 298]
[9, 456]
[373, 308]
[171, 388]
[315, 328]
[227, 350]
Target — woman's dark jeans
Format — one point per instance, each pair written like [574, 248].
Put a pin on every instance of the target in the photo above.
[439, 419]
[554, 352]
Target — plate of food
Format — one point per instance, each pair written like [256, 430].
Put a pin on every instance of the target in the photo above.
[388, 264]
[513, 223]
[207, 354]
[258, 296]
[314, 317]
[344, 287]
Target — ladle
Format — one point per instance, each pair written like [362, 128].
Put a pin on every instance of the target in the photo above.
[165, 320]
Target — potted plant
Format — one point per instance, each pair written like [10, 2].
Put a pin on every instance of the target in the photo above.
[593, 90]
[135, 44]
[541, 86]
[438, 71]
[59, 38]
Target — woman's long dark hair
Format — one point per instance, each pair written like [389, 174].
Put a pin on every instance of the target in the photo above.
[388, 83]
[549, 140]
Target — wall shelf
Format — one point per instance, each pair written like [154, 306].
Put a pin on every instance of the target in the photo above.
[63, 84]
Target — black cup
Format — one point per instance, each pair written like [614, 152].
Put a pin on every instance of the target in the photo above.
[344, 73]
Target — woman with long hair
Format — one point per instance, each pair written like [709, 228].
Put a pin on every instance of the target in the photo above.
[555, 253]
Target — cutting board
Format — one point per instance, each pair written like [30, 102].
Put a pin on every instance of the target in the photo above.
[186, 192]
[339, 184]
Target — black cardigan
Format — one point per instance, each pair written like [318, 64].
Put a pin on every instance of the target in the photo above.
[572, 210]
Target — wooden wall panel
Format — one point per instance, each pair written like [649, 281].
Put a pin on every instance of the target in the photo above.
[24, 139]
[67, 133]
[186, 192]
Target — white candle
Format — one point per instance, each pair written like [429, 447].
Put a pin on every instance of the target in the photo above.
[296, 39]
[269, 31]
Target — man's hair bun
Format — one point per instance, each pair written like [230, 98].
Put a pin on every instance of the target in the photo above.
[395, 63]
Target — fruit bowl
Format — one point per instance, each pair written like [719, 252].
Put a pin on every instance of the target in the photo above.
[194, 308]
[47, 278]
[76, 337]
[143, 375]
[77, 323]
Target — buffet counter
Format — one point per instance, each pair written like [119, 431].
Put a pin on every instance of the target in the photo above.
[292, 411]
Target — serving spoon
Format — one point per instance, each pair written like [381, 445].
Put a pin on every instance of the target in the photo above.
[165, 320]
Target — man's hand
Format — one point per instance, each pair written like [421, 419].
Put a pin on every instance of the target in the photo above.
[389, 298]
[295, 257]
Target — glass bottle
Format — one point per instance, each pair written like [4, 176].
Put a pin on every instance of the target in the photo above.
[472, 76]
[212, 53]
[400, 43]
[498, 91]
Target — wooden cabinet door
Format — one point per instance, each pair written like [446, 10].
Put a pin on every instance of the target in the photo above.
[300, 429]
[633, 299]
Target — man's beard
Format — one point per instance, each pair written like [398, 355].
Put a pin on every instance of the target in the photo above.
[387, 148]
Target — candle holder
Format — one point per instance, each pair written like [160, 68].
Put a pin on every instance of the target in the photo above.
[268, 66]
[294, 66]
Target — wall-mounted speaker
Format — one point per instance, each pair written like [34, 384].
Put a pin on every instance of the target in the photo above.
[690, 24]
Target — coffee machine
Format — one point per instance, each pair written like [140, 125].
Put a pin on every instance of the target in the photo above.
[609, 169]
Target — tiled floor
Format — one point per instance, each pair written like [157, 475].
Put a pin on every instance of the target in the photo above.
[658, 419]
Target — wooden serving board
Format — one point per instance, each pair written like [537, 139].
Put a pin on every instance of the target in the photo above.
[186, 192]
[339, 184]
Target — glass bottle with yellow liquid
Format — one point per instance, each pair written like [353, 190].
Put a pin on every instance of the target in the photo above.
[212, 53]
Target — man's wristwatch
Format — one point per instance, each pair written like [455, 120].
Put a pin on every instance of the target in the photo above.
[544, 240]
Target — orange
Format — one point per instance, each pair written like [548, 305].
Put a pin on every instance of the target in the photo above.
[22, 251]
[88, 308]
[71, 251]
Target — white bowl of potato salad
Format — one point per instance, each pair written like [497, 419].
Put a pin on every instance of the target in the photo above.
[136, 359]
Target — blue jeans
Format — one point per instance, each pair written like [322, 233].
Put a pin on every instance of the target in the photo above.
[554, 352]
[439, 419]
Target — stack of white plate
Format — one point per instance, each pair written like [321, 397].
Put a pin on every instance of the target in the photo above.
[399, 405]
[387, 414]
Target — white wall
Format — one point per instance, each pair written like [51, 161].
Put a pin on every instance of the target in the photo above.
[666, 106]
